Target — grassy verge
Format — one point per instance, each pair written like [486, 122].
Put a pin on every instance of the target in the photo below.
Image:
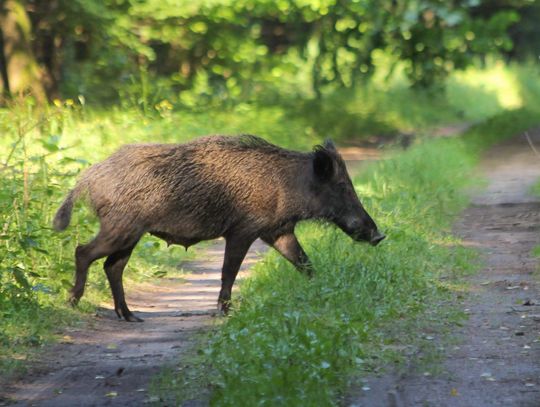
[292, 341]
[535, 189]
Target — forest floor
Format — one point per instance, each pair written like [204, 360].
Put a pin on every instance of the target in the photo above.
[495, 359]
[109, 362]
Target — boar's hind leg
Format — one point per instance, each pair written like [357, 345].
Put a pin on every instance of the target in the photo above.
[235, 251]
[104, 244]
[114, 268]
[287, 245]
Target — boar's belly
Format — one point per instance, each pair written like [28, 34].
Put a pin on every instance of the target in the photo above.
[180, 240]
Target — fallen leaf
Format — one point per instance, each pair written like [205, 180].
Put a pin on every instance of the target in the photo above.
[485, 374]
[112, 346]
[151, 399]
[111, 394]
[454, 392]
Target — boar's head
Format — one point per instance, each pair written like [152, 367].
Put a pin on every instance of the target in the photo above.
[336, 199]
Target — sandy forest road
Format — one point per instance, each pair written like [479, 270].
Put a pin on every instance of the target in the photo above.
[497, 359]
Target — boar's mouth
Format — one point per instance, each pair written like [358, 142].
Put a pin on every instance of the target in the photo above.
[376, 238]
[373, 237]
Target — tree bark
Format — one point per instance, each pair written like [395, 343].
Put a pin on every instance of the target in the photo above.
[22, 72]
[3, 68]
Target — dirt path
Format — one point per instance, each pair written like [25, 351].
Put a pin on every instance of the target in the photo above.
[497, 359]
[110, 362]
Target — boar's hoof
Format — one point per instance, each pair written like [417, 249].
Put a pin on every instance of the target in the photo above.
[223, 307]
[132, 318]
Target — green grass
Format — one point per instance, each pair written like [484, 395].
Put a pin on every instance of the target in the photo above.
[293, 341]
[535, 189]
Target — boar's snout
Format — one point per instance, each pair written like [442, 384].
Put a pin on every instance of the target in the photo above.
[376, 237]
[373, 236]
[364, 230]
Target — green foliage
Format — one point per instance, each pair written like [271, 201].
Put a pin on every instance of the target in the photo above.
[294, 341]
[222, 50]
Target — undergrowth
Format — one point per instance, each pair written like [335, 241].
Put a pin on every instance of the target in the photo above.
[293, 341]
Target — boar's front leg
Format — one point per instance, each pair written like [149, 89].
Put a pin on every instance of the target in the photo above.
[287, 245]
[235, 251]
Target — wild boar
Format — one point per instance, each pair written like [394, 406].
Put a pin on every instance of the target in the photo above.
[240, 188]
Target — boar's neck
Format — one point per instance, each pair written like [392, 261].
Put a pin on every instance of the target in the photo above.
[302, 200]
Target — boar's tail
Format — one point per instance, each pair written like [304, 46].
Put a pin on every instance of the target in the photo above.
[63, 215]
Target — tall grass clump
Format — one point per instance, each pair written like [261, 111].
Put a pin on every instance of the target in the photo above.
[293, 341]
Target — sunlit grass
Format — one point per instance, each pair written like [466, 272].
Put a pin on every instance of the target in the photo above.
[485, 92]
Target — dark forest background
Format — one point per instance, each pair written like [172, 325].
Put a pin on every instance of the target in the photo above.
[106, 50]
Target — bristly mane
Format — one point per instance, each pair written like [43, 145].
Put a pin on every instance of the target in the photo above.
[252, 141]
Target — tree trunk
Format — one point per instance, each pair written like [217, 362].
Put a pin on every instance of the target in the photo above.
[3, 68]
[22, 72]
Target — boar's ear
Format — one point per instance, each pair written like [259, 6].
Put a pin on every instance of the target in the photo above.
[329, 145]
[323, 164]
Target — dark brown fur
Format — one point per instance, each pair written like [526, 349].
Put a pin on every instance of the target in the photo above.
[241, 188]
